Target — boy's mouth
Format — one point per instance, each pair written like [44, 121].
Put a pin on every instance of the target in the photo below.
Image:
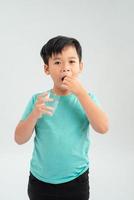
[63, 78]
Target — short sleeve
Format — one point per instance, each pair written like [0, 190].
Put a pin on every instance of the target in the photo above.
[95, 99]
[29, 108]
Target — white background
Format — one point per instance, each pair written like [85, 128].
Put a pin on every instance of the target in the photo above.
[106, 33]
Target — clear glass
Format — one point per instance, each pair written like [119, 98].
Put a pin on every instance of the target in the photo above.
[55, 101]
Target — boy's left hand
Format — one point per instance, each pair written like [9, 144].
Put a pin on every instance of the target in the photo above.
[73, 84]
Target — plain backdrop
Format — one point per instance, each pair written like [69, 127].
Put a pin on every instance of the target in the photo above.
[106, 32]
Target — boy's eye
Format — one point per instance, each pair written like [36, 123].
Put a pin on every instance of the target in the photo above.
[72, 61]
[57, 63]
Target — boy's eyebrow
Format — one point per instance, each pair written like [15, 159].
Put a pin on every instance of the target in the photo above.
[73, 57]
[58, 58]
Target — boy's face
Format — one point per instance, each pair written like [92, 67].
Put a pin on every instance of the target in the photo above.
[64, 64]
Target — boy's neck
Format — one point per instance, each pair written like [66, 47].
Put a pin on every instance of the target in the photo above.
[60, 92]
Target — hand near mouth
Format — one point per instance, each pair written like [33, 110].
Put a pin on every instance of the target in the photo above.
[63, 86]
[72, 84]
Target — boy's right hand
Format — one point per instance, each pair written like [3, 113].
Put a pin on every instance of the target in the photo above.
[40, 107]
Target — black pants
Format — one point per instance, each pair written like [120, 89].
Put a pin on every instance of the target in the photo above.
[77, 189]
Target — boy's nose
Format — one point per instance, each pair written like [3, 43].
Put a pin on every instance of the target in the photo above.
[65, 69]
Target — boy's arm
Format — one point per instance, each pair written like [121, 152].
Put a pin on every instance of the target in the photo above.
[97, 118]
[25, 128]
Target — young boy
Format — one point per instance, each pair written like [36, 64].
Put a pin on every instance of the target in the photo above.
[59, 166]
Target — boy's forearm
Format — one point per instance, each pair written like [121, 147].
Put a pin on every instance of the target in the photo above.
[25, 128]
[96, 116]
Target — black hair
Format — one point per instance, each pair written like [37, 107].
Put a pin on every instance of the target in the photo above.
[56, 45]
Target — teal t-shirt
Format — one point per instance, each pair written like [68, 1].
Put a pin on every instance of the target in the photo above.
[61, 142]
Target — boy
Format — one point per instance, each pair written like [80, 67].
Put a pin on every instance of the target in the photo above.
[59, 167]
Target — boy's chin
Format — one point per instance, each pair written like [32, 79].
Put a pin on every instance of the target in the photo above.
[64, 87]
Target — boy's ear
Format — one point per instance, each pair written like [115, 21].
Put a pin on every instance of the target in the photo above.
[81, 66]
[46, 69]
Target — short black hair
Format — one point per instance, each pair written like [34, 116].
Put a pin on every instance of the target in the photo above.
[55, 46]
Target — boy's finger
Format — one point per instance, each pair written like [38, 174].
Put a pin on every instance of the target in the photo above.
[48, 99]
[40, 101]
[67, 78]
[49, 108]
[39, 98]
[48, 112]
[43, 94]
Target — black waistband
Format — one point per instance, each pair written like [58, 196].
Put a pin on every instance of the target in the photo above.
[83, 177]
